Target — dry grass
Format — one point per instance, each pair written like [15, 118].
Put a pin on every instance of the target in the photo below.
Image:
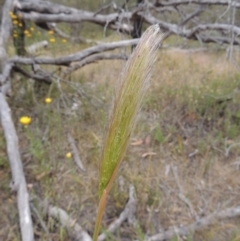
[181, 113]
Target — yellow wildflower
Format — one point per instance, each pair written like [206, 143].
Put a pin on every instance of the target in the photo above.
[10, 13]
[15, 35]
[32, 29]
[13, 16]
[26, 32]
[15, 22]
[20, 24]
[50, 32]
[64, 40]
[52, 40]
[69, 155]
[29, 35]
[25, 120]
[48, 100]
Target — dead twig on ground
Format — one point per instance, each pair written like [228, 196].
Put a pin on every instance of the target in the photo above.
[198, 225]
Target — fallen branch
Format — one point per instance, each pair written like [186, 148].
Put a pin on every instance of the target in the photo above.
[198, 225]
[19, 181]
[72, 227]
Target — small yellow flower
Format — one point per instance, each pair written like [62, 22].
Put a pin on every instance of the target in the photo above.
[52, 40]
[15, 35]
[10, 13]
[25, 120]
[64, 40]
[50, 32]
[48, 100]
[13, 16]
[15, 22]
[20, 25]
[29, 35]
[32, 29]
[26, 32]
[69, 155]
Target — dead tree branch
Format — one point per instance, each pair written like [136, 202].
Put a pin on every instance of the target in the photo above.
[94, 59]
[66, 60]
[122, 20]
[175, 3]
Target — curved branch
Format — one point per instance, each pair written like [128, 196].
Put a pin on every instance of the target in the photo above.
[93, 59]
[66, 60]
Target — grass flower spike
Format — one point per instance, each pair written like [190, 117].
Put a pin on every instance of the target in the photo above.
[133, 85]
[25, 120]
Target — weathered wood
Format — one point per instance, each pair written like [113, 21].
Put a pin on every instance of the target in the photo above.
[79, 56]
[18, 179]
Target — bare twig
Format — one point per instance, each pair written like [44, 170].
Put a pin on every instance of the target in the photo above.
[43, 77]
[93, 59]
[76, 156]
[203, 2]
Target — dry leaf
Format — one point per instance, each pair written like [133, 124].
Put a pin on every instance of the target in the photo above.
[150, 153]
[137, 143]
[147, 140]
